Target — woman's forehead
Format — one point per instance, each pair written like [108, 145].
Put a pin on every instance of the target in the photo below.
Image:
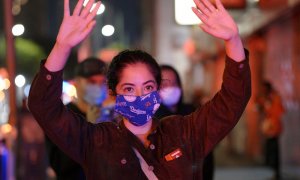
[136, 72]
[168, 74]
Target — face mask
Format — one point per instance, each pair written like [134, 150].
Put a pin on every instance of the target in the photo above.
[107, 114]
[95, 94]
[170, 95]
[138, 109]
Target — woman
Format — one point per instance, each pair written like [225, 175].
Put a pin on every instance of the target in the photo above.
[171, 94]
[138, 147]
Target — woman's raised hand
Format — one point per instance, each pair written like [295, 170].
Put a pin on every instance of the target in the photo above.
[216, 20]
[77, 26]
[218, 23]
[74, 29]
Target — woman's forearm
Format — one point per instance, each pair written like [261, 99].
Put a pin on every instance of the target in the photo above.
[57, 57]
[235, 49]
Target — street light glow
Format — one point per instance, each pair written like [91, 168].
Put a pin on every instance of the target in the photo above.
[20, 80]
[100, 10]
[108, 30]
[18, 29]
[4, 84]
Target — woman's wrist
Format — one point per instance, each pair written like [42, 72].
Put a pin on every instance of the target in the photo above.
[234, 48]
[58, 57]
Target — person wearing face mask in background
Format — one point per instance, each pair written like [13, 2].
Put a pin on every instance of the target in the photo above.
[93, 103]
[171, 93]
[93, 100]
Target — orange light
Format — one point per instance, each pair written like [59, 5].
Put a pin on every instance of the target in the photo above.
[2, 96]
[6, 128]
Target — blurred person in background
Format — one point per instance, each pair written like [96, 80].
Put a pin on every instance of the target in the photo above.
[93, 103]
[93, 100]
[171, 93]
[31, 161]
[271, 107]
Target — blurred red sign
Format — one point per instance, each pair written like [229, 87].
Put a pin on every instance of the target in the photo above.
[234, 4]
[270, 4]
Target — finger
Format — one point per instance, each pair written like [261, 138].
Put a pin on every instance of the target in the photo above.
[205, 20]
[88, 28]
[78, 7]
[200, 15]
[209, 5]
[87, 8]
[66, 8]
[219, 5]
[201, 7]
[206, 29]
[92, 14]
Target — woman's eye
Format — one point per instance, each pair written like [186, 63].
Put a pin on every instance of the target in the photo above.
[128, 90]
[149, 88]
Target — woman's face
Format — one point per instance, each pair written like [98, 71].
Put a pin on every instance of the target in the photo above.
[137, 80]
[168, 79]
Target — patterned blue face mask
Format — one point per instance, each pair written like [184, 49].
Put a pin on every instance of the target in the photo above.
[138, 109]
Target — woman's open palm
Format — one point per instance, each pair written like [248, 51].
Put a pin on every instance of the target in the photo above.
[216, 20]
[77, 26]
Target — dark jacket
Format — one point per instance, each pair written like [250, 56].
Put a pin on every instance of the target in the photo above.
[183, 109]
[105, 150]
[65, 168]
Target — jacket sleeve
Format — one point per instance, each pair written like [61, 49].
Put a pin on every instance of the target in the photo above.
[211, 122]
[64, 128]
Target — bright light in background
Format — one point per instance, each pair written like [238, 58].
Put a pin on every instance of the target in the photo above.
[5, 128]
[26, 90]
[4, 84]
[108, 30]
[18, 30]
[184, 14]
[69, 92]
[20, 80]
[100, 10]
[1, 84]
[2, 96]
[69, 89]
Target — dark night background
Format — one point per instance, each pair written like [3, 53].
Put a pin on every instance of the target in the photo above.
[42, 19]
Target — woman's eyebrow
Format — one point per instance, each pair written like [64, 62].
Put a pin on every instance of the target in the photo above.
[131, 84]
[150, 81]
[127, 84]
